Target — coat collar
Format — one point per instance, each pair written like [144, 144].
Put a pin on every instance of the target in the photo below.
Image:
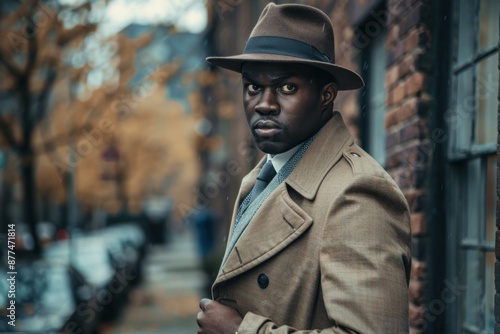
[324, 152]
[329, 143]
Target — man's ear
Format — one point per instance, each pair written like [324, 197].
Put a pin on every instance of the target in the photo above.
[328, 94]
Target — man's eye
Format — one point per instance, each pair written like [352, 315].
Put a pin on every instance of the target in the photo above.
[287, 88]
[253, 88]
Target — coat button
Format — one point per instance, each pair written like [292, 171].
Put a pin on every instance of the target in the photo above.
[263, 281]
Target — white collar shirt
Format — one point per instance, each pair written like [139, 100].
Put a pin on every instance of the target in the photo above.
[279, 160]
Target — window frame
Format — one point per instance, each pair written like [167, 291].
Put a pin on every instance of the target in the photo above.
[458, 179]
[367, 125]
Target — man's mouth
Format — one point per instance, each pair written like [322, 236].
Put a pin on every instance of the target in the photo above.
[266, 128]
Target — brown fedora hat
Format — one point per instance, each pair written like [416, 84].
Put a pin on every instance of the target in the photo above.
[296, 34]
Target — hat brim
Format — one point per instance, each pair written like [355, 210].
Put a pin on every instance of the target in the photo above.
[345, 79]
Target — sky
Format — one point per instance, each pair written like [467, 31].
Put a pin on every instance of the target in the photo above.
[187, 15]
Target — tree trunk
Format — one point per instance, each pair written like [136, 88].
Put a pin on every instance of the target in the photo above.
[27, 161]
[29, 198]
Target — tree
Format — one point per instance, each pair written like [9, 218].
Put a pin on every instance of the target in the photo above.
[122, 141]
[32, 56]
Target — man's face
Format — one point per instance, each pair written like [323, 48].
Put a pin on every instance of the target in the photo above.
[283, 104]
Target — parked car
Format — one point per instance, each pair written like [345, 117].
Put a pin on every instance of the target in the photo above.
[78, 282]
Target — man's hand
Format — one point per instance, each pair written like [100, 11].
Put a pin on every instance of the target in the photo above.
[215, 318]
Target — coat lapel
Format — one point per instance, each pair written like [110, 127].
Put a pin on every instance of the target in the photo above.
[280, 220]
[277, 224]
[246, 186]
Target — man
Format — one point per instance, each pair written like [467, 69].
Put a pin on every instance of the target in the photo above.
[320, 235]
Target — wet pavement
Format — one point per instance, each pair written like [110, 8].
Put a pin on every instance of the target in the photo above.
[167, 299]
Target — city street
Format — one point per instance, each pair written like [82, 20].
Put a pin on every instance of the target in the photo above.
[167, 299]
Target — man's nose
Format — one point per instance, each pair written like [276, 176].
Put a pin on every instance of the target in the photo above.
[267, 103]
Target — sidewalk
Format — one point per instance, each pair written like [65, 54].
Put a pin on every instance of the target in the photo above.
[167, 299]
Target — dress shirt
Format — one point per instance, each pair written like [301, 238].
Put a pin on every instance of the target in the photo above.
[279, 160]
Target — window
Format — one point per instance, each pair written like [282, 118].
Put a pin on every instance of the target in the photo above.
[471, 121]
[373, 104]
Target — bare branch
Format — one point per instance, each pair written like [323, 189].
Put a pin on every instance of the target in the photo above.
[32, 49]
[32, 54]
[6, 130]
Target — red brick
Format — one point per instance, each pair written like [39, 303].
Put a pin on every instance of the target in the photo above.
[393, 160]
[392, 76]
[389, 98]
[411, 41]
[416, 315]
[414, 330]
[397, 9]
[411, 178]
[392, 36]
[406, 179]
[391, 140]
[415, 199]
[399, 93]
[418, 224]
[418, 270]
[407, 110]
[414, 130]
[411, 19]
[391, 118]
[415, 83]
[395, 54]
[416, 292]
[407, 65]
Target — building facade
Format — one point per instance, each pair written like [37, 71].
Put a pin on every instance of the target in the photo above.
[429, 115]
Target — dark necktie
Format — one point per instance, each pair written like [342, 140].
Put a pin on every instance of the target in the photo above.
[265, 176]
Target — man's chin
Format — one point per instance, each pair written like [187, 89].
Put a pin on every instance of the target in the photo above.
[269, 147]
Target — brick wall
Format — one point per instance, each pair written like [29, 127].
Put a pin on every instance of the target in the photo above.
[408, 102]
[345, 55]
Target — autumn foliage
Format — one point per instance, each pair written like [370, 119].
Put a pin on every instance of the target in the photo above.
[120, 142]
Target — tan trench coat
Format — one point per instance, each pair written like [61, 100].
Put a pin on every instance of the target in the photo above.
[327, 252]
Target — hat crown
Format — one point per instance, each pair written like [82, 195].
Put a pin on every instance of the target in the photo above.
[299, 22]
[293, 33]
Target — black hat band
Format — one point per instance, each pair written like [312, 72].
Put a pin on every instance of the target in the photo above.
[284, 46]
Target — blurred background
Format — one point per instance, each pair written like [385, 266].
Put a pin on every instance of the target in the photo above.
[121, 153]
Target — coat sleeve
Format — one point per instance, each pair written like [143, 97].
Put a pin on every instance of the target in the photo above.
[365, 263]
